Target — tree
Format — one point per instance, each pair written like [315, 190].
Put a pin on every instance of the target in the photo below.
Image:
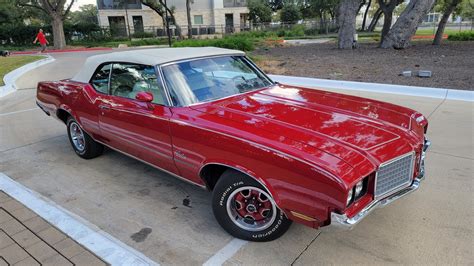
[9, 14]
[376, 13]
[403, 30]
[188, 16]
[387, 7]
[447, 7]
[160, 8]
[276, 4]
[346, 18]
[467, 9]
[365, 15]
[322, 9]
[259, 11]
[57, 11]
[290, 13]
[86, 14]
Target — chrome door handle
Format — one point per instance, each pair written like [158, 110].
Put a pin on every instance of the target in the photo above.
[104, 107]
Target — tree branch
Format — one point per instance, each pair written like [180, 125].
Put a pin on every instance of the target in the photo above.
[59, 5]
[68, 9]
[34, 6]
[153, 7]
[47, 5]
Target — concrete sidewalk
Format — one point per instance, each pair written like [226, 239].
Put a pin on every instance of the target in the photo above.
[27, 239]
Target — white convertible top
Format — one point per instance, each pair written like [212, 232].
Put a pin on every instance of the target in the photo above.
[149, 57]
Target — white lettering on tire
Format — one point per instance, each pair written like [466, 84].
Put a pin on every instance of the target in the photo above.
[221, 202]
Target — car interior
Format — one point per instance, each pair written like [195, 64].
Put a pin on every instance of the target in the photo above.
[129, 79]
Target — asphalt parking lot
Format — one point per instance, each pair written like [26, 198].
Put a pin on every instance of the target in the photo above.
[171, 221]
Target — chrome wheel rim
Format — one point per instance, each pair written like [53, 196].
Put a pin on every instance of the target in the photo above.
[77, 136]
[251, 208]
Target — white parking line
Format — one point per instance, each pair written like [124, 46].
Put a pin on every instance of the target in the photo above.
[226, 252]
[105, 246]
[21, 111]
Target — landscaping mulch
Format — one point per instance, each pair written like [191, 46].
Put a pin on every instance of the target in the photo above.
[452, 63]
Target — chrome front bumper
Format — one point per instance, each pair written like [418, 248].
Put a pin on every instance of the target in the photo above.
[342, 222]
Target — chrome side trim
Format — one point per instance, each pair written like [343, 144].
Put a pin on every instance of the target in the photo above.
[154, 166]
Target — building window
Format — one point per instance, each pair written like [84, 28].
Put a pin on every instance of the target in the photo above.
[137, 24]
[117, 26]
[198, 20]
[119, 4]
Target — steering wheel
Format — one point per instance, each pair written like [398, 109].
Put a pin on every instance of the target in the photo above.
[239, 80]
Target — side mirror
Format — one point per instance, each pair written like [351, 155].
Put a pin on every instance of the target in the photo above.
[144, 96]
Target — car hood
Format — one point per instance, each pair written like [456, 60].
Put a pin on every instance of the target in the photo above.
[360, 132]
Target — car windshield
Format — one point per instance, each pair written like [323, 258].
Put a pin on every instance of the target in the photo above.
[209, 79]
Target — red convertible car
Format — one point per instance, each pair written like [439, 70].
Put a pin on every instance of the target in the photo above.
[270, 153]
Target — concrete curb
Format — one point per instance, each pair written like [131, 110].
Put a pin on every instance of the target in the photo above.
[10, 78]
[448, 94]
[92, 49]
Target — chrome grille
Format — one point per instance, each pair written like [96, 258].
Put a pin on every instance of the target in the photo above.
[394, 174]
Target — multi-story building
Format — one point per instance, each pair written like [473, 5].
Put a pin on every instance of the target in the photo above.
[207, 16]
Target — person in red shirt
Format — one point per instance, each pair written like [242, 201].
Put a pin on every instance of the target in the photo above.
[42, 40]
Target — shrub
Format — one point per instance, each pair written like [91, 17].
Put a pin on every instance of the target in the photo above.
[142, 35]
[231, 42]
[19, 35]
[154, 41]
[462, 36]
[294, 31]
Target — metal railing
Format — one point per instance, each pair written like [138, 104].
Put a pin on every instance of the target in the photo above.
[307, 28]
[283, 29]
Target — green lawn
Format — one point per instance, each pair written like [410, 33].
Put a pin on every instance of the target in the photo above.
[428, 32]
[8, 64]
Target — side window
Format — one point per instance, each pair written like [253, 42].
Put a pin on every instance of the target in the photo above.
[100, 80]
[129, 79]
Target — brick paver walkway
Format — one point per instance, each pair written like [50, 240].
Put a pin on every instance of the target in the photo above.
[27, 239]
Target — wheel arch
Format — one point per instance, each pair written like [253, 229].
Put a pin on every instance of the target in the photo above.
[63, 112]
[211, 172]
[62, 115]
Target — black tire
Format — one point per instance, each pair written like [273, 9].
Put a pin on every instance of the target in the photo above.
[90, 148]
[233, 182]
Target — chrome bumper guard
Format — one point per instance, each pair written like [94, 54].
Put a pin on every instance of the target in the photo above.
[342, 222]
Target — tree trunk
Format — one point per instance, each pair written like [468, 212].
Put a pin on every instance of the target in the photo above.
[58, 32]
[347, 13]
[365, 15]
[178, 28]
[321, 22]
[375, 20]
[402, 31]
[443, 21]
[387, 24]
[188, 14]
[387, 9]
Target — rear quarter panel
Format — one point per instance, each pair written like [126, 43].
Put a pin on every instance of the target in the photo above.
[77, 99]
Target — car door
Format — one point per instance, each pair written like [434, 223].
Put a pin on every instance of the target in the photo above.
[139, 129]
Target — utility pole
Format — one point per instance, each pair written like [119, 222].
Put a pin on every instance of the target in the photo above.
[167, 25]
